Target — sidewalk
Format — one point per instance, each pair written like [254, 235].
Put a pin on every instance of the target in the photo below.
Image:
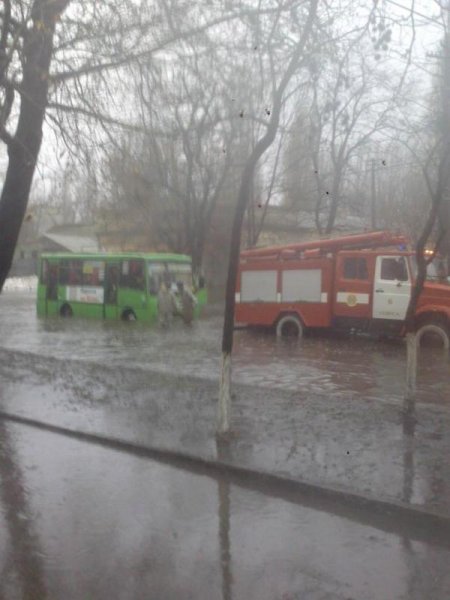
[337, 447]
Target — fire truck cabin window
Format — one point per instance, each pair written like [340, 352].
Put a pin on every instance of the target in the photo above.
[394, 269]
[355, 268]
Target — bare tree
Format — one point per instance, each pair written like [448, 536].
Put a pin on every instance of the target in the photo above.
[353, 95]
[430, 146]
[278, 87]
[345, 117]
[436, 173]
[44, 45]
[259, 204]
[75, 51]
[28, 40]
[172, 174]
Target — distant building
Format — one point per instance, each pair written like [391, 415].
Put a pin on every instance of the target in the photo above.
[70, 238]
[59, 238]
[27, 252]
[285, 226]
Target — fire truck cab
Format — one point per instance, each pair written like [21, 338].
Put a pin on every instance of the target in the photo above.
[361, 282]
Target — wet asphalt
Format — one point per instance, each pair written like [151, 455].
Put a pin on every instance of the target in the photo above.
[84, 519]
[80, 521]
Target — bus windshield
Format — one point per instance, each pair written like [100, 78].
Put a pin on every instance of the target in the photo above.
[169, 274]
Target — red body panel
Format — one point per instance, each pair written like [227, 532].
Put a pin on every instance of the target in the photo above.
[267, 314]
[313, 314]
[435, 298]
[353, 287]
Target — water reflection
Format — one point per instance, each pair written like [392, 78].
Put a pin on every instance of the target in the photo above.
[23, 562]
[224, 524]
[409, 423]
[114, 525]
[348, 365]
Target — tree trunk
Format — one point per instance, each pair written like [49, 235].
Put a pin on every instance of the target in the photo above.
[410, 319]
[235, 247]
[223, 424]
[439, 206]
[334, 203]
[411, 371]
[243, 198]
[23, 148]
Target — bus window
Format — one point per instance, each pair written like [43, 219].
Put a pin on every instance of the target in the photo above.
[52, 284]
[132, 274]
[44, 272]
[70, 272]
[112, 283]
[181, 273]
[93, 272]
[157, 274]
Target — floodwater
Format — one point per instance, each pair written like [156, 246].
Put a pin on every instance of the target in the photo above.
[325, 364]
[79, 521]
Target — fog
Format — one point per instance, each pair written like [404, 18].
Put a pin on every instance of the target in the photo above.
[154, 110]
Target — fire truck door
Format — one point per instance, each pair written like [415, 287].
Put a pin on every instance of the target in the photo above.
[392, 288]
[353, 287]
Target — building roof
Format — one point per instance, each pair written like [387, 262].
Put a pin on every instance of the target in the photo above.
[73, 242]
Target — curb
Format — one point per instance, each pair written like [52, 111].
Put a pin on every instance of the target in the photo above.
[392, 516]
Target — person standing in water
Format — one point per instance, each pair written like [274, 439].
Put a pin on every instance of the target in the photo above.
[188, 302]
[165, 306]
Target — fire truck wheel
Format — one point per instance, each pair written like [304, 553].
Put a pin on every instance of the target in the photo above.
[434, 332]
[289, 326]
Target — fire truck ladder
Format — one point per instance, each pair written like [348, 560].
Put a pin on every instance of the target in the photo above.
[373, 239]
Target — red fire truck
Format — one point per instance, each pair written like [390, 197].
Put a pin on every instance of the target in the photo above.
[359, 282]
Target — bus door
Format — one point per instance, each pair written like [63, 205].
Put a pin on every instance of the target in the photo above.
[112, 277]
[51, 292]
[42, 288]
[392, 288]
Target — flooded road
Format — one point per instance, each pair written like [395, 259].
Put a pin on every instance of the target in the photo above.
[356, 366]
[80, 521]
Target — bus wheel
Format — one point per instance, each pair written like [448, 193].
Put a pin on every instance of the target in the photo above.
[289, 326]
[66, 311]
[434, 332]
[128, 315]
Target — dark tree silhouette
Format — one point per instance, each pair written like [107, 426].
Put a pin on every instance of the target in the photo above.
[24, 145]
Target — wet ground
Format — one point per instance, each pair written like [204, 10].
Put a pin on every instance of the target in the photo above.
[322, 364]
[79, 521]
[86, 521]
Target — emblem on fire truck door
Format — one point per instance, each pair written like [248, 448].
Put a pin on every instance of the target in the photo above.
[352, 300]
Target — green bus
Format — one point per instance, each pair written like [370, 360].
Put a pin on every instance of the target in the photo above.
[111, 286]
